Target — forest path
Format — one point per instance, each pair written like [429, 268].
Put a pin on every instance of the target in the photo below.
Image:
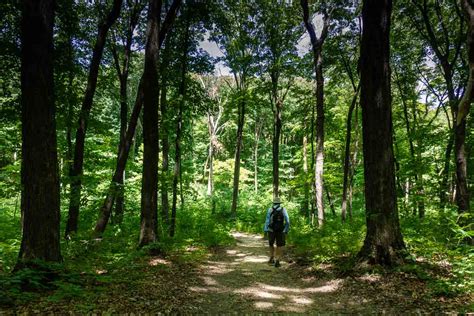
[239, 279]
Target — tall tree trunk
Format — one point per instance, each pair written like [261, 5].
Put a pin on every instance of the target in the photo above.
[165, 147]
[319, 168]
[464, 108]
[258, 128]
[122, 73]
[106, 208]
[276, 145]
[149, 207]
[347, 154]
[420, 205]
[443, 184]
[317, 47]
[238, 147]
[305, 173]
[39, 168]
[383, 242]
[78, 164]
[128, 145]
[179, 130]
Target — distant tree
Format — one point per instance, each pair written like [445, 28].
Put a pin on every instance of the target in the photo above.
[235, 35]
[383, 241]
[39, 168]
[278, 36]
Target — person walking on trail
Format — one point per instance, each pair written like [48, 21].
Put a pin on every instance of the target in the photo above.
[277, 225]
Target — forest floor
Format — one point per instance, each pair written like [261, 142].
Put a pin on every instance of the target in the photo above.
[238, 279]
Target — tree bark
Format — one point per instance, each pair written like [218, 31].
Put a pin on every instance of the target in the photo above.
[179, 129]
[124, 151]
[276, 146]
[122, 73]
[383, 243]
[39, 168]
[305, 174]
[78, 164]
[165, 148]
[149, 207]
[347, 154]
[238, 147]
[106, 208]
[317, 46]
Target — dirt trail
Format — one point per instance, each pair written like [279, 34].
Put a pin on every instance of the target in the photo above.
[240, 280]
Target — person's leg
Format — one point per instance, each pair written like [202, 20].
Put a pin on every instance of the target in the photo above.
[280, 244]
[271, 241]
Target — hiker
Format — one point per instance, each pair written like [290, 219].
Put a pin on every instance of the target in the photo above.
[277, 225]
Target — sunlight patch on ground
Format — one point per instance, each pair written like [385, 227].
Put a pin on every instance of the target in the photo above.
[156, 261]
[301, 300]
[370, 278]
[291, 309]
[258, 293]
[255, 259]
[231, 252]
[201, 289]
[327, 288]
[209, 281]
[217, 269]
[263, 305]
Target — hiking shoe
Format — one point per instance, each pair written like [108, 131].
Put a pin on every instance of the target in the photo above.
[277, 263]
[271, 261]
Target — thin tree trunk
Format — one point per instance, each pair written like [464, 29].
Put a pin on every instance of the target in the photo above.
[179, 130]
[129, 144]
[149, 207]
[383, 243]
[238, 147]
[255, 155]
[78, 165]
[165, 153]
[40, 196]
[347, 154]
[122, 73]
[317, 46]
[106, 208]
[276, 146]
[305, 173]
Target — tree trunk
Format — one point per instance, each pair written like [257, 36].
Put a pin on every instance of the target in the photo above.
[39, 168]
[179, 131]
[258, 128]
[165, 147]
[123, 79]
[238, 147]
[78, 164]
[149, 207]
[276, 145]
[305, 173]
[317, 46]
[319, 141]
[383, 243]
[347, 155]
[124, 151]
[443, 184]
[106, 208]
